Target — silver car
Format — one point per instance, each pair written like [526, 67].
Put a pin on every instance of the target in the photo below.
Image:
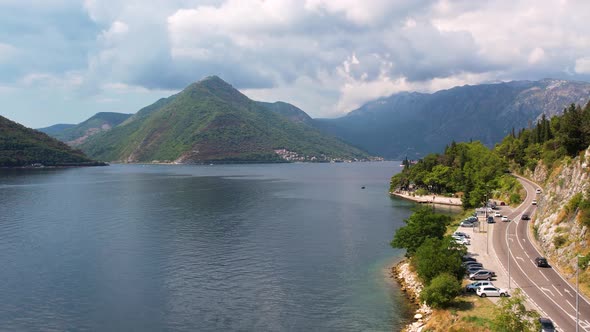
[481, 275]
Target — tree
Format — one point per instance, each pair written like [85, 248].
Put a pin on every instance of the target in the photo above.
[512, 315]
[442, 291]
[422, 224]
[436, 256]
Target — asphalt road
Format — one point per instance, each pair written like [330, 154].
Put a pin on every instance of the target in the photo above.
[544, 286]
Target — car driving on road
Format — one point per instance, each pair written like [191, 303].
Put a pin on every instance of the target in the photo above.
[497, 214]
[505, 219]
[541, 262]
[525, 217]
[546, 325]
[484, 291]
[534, 202]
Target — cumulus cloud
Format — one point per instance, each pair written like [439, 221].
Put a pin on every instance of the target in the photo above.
[583, 65]
[327, 56]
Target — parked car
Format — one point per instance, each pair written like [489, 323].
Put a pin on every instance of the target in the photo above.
[546, 325]
[473, 269]
[472, 219]
[525, 217]
[466, 223]
[465, 235]
[505, 219]
[472, 287]
[541, 262]
[497, 214]
[534, 202]
[482, 275]
[539, 191]
[468, 259]
[461, 240]
[467, 264]
[491, 291]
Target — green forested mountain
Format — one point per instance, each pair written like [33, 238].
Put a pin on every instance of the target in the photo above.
[21, 146]
[415, 124]
[210, 121]
[76, 134]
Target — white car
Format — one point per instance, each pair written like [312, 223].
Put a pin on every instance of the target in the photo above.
[497, 214]
[504, 218]
[484, 291]
[534, 202]
[538, 191]
[472, 287]
[465, 235]
[461, 240]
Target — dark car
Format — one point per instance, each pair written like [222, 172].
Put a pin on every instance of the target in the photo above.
[491, 220]
[468, 259]
[541, 262]
[525, 217]
[546, 325]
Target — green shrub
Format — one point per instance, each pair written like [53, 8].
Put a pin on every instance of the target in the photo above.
[442, 291]
[559, 241]
[515, 198]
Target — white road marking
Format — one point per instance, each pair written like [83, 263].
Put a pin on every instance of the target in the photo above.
[518, 257]
[567, 291]
[554, 286]
[547, 290]
[547, 279]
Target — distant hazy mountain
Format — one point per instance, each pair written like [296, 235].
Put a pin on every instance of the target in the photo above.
[210, 121]
[55, 129]
[76, 134]
[22, 146]
[414, 124]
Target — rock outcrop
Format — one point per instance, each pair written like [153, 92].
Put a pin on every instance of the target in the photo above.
[558, 230]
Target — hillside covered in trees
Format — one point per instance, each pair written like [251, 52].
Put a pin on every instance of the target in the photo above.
[21, 146]
[549, 140]
[469, 170]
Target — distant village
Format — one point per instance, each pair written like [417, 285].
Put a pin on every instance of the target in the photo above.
[296, 157]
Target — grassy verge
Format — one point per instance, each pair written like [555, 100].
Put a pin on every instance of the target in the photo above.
[468, 313]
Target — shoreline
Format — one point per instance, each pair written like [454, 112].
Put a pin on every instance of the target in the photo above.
[428, 199]
[411, 287]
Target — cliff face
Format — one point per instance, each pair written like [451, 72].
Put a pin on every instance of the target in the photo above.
[557, 228]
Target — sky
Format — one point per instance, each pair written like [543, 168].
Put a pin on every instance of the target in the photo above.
[62, 61]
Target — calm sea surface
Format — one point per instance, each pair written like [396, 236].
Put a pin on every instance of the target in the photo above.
[290, 247]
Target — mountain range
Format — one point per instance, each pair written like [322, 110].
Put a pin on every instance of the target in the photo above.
[413, 124]
[210, 121]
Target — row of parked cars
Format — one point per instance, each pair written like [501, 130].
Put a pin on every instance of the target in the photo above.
[482, 278]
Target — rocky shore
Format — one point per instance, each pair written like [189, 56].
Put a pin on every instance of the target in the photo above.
[412, 287]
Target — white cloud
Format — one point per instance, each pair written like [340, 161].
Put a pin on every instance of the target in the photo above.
[326, 56]
[536, 55]
[583, 65]
[7, 52]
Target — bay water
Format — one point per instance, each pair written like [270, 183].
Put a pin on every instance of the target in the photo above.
[277, 247]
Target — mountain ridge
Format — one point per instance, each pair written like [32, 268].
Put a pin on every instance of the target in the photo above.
[413, 124]
[210, 121]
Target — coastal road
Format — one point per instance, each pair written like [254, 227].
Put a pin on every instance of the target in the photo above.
[544, 286]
